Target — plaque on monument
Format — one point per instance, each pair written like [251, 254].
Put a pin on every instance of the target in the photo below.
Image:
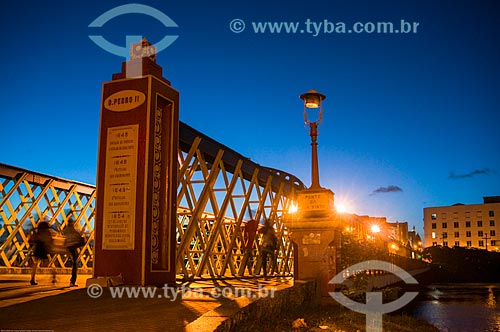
[120, 188]
[315, 203]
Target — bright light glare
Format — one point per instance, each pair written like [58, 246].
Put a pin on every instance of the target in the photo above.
[344, 205]
[293, 208]
[375, 229]
[340, 208]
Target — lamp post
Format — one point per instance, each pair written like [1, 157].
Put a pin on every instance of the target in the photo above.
[312, 103]
[315, 227]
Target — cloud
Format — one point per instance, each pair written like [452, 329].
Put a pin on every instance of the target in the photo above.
[388, 189]
[482, 171]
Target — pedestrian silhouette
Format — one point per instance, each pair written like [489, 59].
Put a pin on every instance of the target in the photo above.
[73, 241]
[249, 230]
[42, 240]
[269, 246]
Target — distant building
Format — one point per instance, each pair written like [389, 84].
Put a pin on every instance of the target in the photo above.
[364, 228]
[398, 231]
[414, 240]
[471, 225]
[391, 236]
[398, 237]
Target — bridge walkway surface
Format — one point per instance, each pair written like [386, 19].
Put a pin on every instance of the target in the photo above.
[193, 306]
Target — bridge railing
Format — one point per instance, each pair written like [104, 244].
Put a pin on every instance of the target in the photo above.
[220, 189]
[217, 190]
[26, 198]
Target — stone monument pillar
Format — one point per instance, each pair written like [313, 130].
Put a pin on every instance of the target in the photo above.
[137, 173]
[315, 230]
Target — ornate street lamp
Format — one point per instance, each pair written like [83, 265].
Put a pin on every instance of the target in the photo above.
[312, 107]
[316, 226]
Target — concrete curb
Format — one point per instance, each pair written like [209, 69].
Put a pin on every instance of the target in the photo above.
[227, 317]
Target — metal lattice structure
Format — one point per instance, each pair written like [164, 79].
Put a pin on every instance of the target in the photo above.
[26, 198]
[217, 189]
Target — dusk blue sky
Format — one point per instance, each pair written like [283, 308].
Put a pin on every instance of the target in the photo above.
[410, 120]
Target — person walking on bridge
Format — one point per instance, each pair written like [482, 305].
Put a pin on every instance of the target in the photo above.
[269, 246]
[73, 240]
[42, 242]
[249, 230]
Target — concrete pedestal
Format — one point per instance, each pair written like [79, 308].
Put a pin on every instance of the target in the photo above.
[315, 231]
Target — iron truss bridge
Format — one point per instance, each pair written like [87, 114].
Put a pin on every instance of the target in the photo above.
[217, 190]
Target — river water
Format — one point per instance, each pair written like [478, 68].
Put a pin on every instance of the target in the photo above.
[461, 307]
